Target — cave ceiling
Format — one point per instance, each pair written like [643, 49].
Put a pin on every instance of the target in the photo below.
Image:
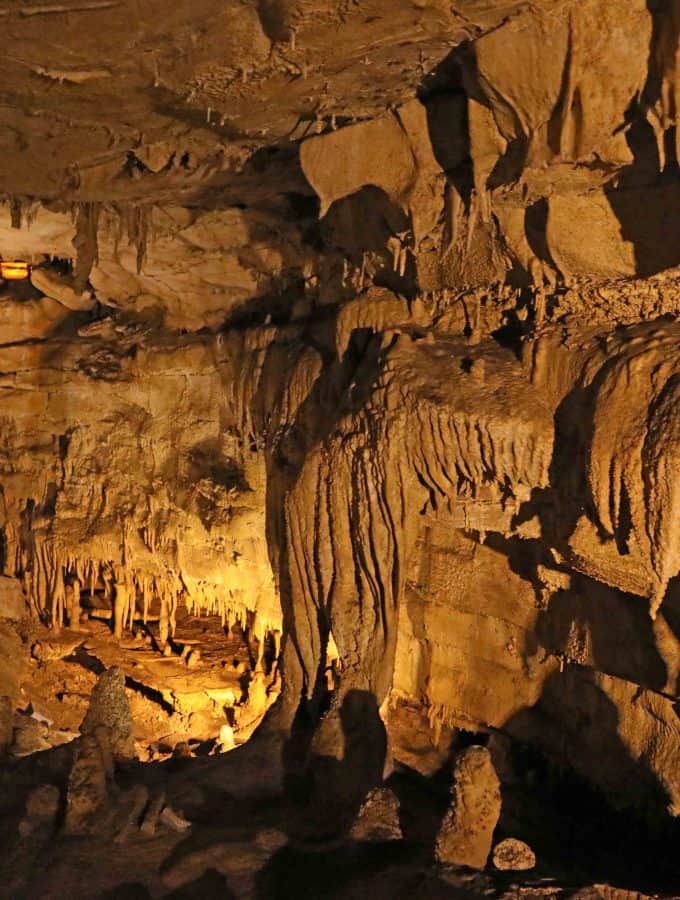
[354, 325]
[91, 107]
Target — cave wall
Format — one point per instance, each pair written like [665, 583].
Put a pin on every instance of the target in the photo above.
[362, 319]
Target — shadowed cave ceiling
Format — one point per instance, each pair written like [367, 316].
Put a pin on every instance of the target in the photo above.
[349, 329]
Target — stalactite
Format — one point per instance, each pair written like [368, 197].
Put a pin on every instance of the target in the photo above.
[120, 608]
[16, 209]
[631, 442]
[455, 218]
[567, 141]
[164, 620]
[86, 242]
[138, 222]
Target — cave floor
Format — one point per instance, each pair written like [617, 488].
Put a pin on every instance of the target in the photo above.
[239, 849]
[180, 697]
[247, 847]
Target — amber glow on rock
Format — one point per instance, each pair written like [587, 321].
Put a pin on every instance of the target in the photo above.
[12, 270]
[340, 449]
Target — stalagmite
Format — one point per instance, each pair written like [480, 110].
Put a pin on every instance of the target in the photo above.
[109, 709]
[139, 798]
[164, 622]
[88, 791]
[152, 814]
[174, 821]
[378, 818]
[466, 833]
[339, 445]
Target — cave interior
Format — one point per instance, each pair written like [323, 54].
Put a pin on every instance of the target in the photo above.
[340, 449]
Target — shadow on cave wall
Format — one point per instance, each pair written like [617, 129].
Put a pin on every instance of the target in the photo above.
[570, 739]
[643, 200]
[648, 219]
[613, 627]
[445, 92]
[363, 223]
[591, 603]
[591, 621]
[670, 614]
[329, 789]
[576, 716]
[572, 498]
[574, 726]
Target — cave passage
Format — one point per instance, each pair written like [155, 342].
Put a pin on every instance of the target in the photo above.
[339, 449]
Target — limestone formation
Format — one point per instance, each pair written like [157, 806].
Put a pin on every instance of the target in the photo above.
[512, 855]
[133, 805]
[29, 735]
[152, 814]
[174, 820]
[42, 808]
[88, 787]
[109, 718]
[6, 724]
[466, 833]
[340, 421]
[378, 818]
[12, 600]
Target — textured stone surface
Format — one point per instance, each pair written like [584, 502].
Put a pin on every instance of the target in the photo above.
[88, 791]
[466, 833]
[12, 600]
[512, 855]
[6, 725]
[110, 709]
[355, 323]
[42, 807]
[378, 818]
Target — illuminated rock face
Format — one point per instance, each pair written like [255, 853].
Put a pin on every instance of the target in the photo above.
[466, 833]
[134, 482]
[392, 375]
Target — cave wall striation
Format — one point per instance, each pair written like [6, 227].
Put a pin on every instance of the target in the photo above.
[395, 371]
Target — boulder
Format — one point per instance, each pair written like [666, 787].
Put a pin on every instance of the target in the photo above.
[466, 833]
[512, 855]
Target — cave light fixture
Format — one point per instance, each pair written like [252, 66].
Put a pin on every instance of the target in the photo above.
[14, 269]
